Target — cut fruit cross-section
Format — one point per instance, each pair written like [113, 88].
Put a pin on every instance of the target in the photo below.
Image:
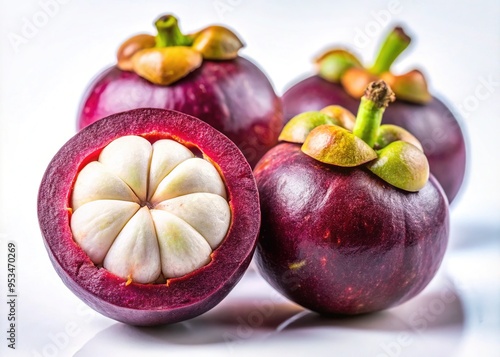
[149, 212]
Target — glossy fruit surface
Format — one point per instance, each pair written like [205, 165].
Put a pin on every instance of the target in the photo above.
[175, 294]
[352, 221]
[341, 240]
[198, 77]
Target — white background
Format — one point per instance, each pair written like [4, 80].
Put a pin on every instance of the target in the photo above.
[44, 72]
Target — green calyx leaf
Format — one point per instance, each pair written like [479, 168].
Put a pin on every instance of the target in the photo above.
[410, 86]
[334, 145]
[170, 55]
[164, 66]
[299, 127]
[333, 136]
[402, 165]
[212, 42]
[341, 66]
[334, 63]
[217, 43]
[389, 133]
[341, 116]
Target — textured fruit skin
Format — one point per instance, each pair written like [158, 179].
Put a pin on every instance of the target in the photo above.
[141, 304]
[235, 97]
[432, 124]
[342, 241]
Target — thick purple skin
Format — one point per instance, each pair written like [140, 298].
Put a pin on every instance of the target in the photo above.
[235, 97]
[342, 241]
[149, 304]
[433, 124]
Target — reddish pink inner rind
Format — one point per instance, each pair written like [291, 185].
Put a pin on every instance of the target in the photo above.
[148, 304]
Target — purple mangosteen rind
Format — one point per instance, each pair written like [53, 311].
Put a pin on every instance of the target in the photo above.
[180, 298]
[340, 240]
[225, 90]
[235, 97]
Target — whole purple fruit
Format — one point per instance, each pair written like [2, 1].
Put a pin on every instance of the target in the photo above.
[149, 216]
[341, 80]
[346, 230]
[199, 74]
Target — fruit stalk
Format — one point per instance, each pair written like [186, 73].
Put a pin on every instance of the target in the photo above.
[169, 33]
[377, 97]
[395, 43]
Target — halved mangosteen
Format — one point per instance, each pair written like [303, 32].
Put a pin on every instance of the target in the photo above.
[150, 216]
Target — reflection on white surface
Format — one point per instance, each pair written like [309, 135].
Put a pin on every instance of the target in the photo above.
[473, 263]
[254, 319]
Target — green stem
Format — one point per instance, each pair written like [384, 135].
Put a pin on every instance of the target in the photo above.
[169, 33]
[377, 97]
[395, 43]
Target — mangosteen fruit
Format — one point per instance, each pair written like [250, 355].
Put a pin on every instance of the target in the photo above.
[200, 74]
[150, 216]
[352, 220]
[341, 80]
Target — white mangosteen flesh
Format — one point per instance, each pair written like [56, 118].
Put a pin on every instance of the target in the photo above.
[149, 212]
